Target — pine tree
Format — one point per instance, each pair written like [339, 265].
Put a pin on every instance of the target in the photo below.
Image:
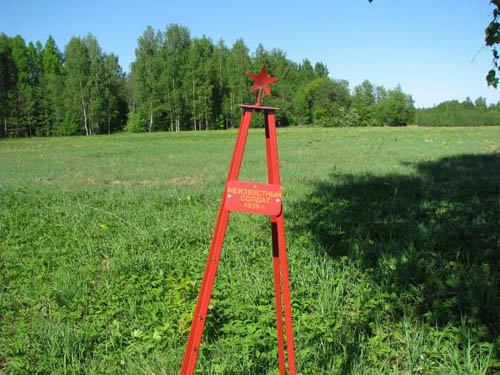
[114, 101]
[33, 93]
[95, 85]
[8, 83]
[51, 88]
[19, 53]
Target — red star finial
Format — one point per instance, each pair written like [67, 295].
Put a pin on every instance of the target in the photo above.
[261, 82]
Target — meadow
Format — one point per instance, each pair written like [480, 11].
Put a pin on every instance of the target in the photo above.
[393, 239]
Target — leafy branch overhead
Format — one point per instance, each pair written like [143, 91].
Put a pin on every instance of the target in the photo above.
[492, 40]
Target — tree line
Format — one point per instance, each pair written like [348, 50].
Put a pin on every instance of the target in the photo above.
[455, 113]
[176, 82]
[46, 92]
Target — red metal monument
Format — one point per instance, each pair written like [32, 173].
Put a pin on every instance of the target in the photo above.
[265, 199]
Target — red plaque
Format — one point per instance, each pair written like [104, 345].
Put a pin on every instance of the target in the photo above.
[264, 199]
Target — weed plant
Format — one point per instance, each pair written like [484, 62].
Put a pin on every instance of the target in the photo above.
[393, 244]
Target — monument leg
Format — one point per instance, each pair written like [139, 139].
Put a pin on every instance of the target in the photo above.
[279, 248]
[200, 314]
[278, 302]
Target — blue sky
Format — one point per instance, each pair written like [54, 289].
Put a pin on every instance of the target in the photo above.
[427, 46]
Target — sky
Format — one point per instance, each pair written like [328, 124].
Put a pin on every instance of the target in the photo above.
[433, 49]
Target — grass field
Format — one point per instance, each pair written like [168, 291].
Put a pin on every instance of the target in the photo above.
[393, 241]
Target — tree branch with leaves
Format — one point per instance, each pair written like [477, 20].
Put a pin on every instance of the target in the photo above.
[492, 40]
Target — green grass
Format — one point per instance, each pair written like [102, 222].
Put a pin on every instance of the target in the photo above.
[393, 239]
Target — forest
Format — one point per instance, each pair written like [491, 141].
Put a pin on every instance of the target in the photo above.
[455, 113]
[178, 82]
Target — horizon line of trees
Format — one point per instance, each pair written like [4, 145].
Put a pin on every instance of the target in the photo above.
[456, 113]
[175, 83]
[46, 92]
[180, 83]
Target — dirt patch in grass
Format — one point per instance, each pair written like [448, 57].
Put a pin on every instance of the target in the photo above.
[186, 180]
[492, 148]
[44, 179]
[105, 264]
[147, 182]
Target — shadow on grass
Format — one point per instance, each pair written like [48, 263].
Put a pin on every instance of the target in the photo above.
[432, 240]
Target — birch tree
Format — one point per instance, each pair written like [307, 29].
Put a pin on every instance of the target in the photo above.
[201, 76]
[176, 46]
[77, 72]
[238, 63]
[145, 74]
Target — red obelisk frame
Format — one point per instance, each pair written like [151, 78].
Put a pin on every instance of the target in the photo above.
[254, 198]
